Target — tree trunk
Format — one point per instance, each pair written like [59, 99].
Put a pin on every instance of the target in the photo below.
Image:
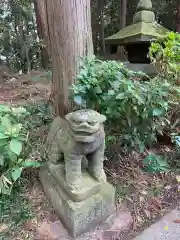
[122, 23]
[40, 13]
[70, 35]
[123, 12]
[178, 17]
[95, 25]
[101, 26]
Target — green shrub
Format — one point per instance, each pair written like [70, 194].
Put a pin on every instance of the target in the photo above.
[165, 53]
[13, 136]
[136, 106]
[41, 113]
[155, 164]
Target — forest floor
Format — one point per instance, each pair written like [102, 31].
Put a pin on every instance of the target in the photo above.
[147, 197]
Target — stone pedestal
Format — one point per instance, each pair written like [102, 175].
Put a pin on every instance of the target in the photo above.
[79, 216]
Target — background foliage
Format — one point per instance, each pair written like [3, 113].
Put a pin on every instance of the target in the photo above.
[165, 52]
[21, 43]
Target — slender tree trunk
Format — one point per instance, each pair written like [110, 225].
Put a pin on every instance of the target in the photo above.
[95, 25]
[70, 36]
[40, 13]
[22, 47]
[122, 23]
[178, 17]
[123, 12]
[111, 13]
[101, 26]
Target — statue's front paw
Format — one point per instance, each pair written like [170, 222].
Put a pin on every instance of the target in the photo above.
[99, 175]
[76, 186]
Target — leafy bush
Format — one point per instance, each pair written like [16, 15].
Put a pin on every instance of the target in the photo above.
[136, 109]
[12, 139]
[155, 164]
[165, 52]
[40, 114]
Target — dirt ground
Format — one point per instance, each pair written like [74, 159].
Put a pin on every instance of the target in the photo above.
[20, 89]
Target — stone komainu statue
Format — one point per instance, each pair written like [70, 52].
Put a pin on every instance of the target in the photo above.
[80, 135]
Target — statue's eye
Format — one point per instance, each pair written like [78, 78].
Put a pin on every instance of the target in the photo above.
[77, 122]
[92, 123]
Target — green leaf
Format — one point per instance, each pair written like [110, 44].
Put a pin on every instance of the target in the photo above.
[6, 122]
[164, 168]
[3, 142]
[20, 160]
[78, 100]
[29, 163]
[1, 160]
[115, 84]
[19, 110]
[4, 108]
[2, 129]
[97, 90]
[154, 163]
[120, 75]
[162, 162]
[148, 159]
[141, 147]
[16, 146]
[111, 92]
[158, 112]
[12, 156]
[16, 129]
[21, 138]
[6, 190]
[120, 96]
[16, 173]
[3, 136]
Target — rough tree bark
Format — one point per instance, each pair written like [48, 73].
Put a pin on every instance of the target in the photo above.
[70, 36]
[95, 25]
[123, 13]
[101, 25]
[178, 17]
[122, 21]
[40, 12]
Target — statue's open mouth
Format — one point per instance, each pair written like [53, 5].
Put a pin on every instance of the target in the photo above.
[83, 132]
[83, 136]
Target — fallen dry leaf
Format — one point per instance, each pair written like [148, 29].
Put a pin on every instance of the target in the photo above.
[30, 224]
[3, 227]
[178, 178]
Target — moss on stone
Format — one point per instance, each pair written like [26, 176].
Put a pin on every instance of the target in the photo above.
[140, 28]
[144, 5]
[144, 16]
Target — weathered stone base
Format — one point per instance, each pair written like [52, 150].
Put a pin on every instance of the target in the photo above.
[115, 227]
[79, 217]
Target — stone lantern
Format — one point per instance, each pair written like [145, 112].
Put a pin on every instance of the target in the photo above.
[136, 38]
